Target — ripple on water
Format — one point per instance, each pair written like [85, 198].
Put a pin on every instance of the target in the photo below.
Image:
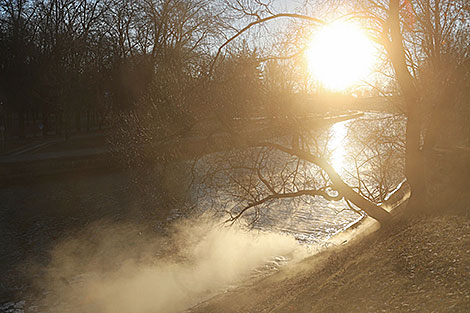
[315, 220]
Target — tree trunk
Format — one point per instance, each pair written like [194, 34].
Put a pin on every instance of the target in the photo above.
[67, 124]
[88, 121]
[78, 121]
[414, 161]
[373, 210]
[45, 122]
[58, 123]
[21, 124]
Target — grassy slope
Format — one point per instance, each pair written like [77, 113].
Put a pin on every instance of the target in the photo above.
[418, 265]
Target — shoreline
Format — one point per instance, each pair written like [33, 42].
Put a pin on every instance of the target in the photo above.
[418, 264]
[353, 234]
[17, 169]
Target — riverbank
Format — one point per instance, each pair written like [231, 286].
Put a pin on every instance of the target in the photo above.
[417, 264]
[92, 153]
[59, 210]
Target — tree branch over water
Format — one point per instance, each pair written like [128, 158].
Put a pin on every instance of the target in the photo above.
[369, 207]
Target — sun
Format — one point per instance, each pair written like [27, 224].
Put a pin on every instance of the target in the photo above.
[340, 55]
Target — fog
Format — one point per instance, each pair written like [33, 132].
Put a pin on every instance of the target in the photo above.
[127, 268]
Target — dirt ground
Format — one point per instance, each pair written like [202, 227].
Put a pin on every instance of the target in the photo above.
[418, 264]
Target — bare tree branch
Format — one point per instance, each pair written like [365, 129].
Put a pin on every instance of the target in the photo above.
[260, 21]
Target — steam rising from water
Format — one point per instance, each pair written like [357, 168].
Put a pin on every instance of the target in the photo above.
[116, 269]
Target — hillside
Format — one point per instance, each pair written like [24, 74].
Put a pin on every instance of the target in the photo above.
[418, 264]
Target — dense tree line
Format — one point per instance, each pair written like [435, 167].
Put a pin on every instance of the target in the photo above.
[159, 69]
[72, 65]
[63, 61]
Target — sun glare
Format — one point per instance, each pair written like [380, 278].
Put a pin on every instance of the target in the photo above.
[340, 55]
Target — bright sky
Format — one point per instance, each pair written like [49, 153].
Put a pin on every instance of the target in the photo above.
[340, 55]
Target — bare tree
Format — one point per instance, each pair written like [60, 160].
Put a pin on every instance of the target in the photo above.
[390, 20]
[425, 42]
[304, 152]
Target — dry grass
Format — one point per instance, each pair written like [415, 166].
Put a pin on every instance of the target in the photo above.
[421, 264]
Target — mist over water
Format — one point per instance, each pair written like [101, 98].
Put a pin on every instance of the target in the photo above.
[116, 268]
[128, 267]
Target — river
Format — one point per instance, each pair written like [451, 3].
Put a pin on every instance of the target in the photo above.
[364, 148]
[94, 243]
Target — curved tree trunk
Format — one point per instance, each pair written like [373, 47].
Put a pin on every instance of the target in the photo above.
[373, 210]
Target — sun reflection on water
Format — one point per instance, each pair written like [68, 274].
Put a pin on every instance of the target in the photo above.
[336, 146]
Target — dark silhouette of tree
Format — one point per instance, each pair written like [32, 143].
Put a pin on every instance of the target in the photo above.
[163, 71]
[410, 50]
[426, 41]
